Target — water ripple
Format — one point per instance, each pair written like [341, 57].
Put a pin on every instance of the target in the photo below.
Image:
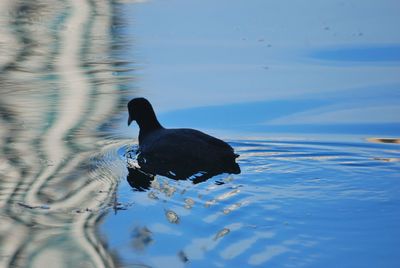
[292, 197]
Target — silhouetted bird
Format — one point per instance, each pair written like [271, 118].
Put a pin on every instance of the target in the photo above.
[178, 153]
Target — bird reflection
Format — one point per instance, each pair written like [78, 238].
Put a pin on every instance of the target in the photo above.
[178, 154]
[141, 178]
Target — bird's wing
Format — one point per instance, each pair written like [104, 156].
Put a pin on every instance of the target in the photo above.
[210, 140]
[184, 151]
[177, 144]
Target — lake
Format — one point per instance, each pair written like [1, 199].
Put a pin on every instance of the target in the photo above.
[307, 93]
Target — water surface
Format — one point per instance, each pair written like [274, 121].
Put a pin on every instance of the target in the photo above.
[309, 101]
[297, 203]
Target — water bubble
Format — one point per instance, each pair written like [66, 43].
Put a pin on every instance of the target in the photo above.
[210, 202]
[168, 190]
[222, 233]
[172, 217]
[231, 208]
[189, 203]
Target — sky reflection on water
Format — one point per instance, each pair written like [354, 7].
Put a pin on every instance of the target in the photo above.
[272, 58]
[383, 54]
[264, 54]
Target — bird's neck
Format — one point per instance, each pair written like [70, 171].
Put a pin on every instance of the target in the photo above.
[146, 130]
[148, 123]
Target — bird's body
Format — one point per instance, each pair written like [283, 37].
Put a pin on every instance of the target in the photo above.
[192, 149]
[178, 153]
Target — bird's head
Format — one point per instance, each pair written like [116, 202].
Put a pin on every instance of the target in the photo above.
[141, 111]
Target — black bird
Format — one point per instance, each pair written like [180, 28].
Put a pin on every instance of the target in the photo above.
[178, 153]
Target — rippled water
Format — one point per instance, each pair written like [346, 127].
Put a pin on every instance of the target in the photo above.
[306, 198]
[297, 203]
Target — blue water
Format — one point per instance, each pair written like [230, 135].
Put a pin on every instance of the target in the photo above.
[307, 93]
[297, 203]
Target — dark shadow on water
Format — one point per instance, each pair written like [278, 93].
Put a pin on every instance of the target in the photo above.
[141, 181]
[143, 169]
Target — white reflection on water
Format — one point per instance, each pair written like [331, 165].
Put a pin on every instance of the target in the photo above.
[267, 254]
[243, 245]
[53, 191]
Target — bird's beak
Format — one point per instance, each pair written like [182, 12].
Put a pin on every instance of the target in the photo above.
[129, 120]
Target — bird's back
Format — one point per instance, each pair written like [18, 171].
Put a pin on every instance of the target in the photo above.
[188, 148]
